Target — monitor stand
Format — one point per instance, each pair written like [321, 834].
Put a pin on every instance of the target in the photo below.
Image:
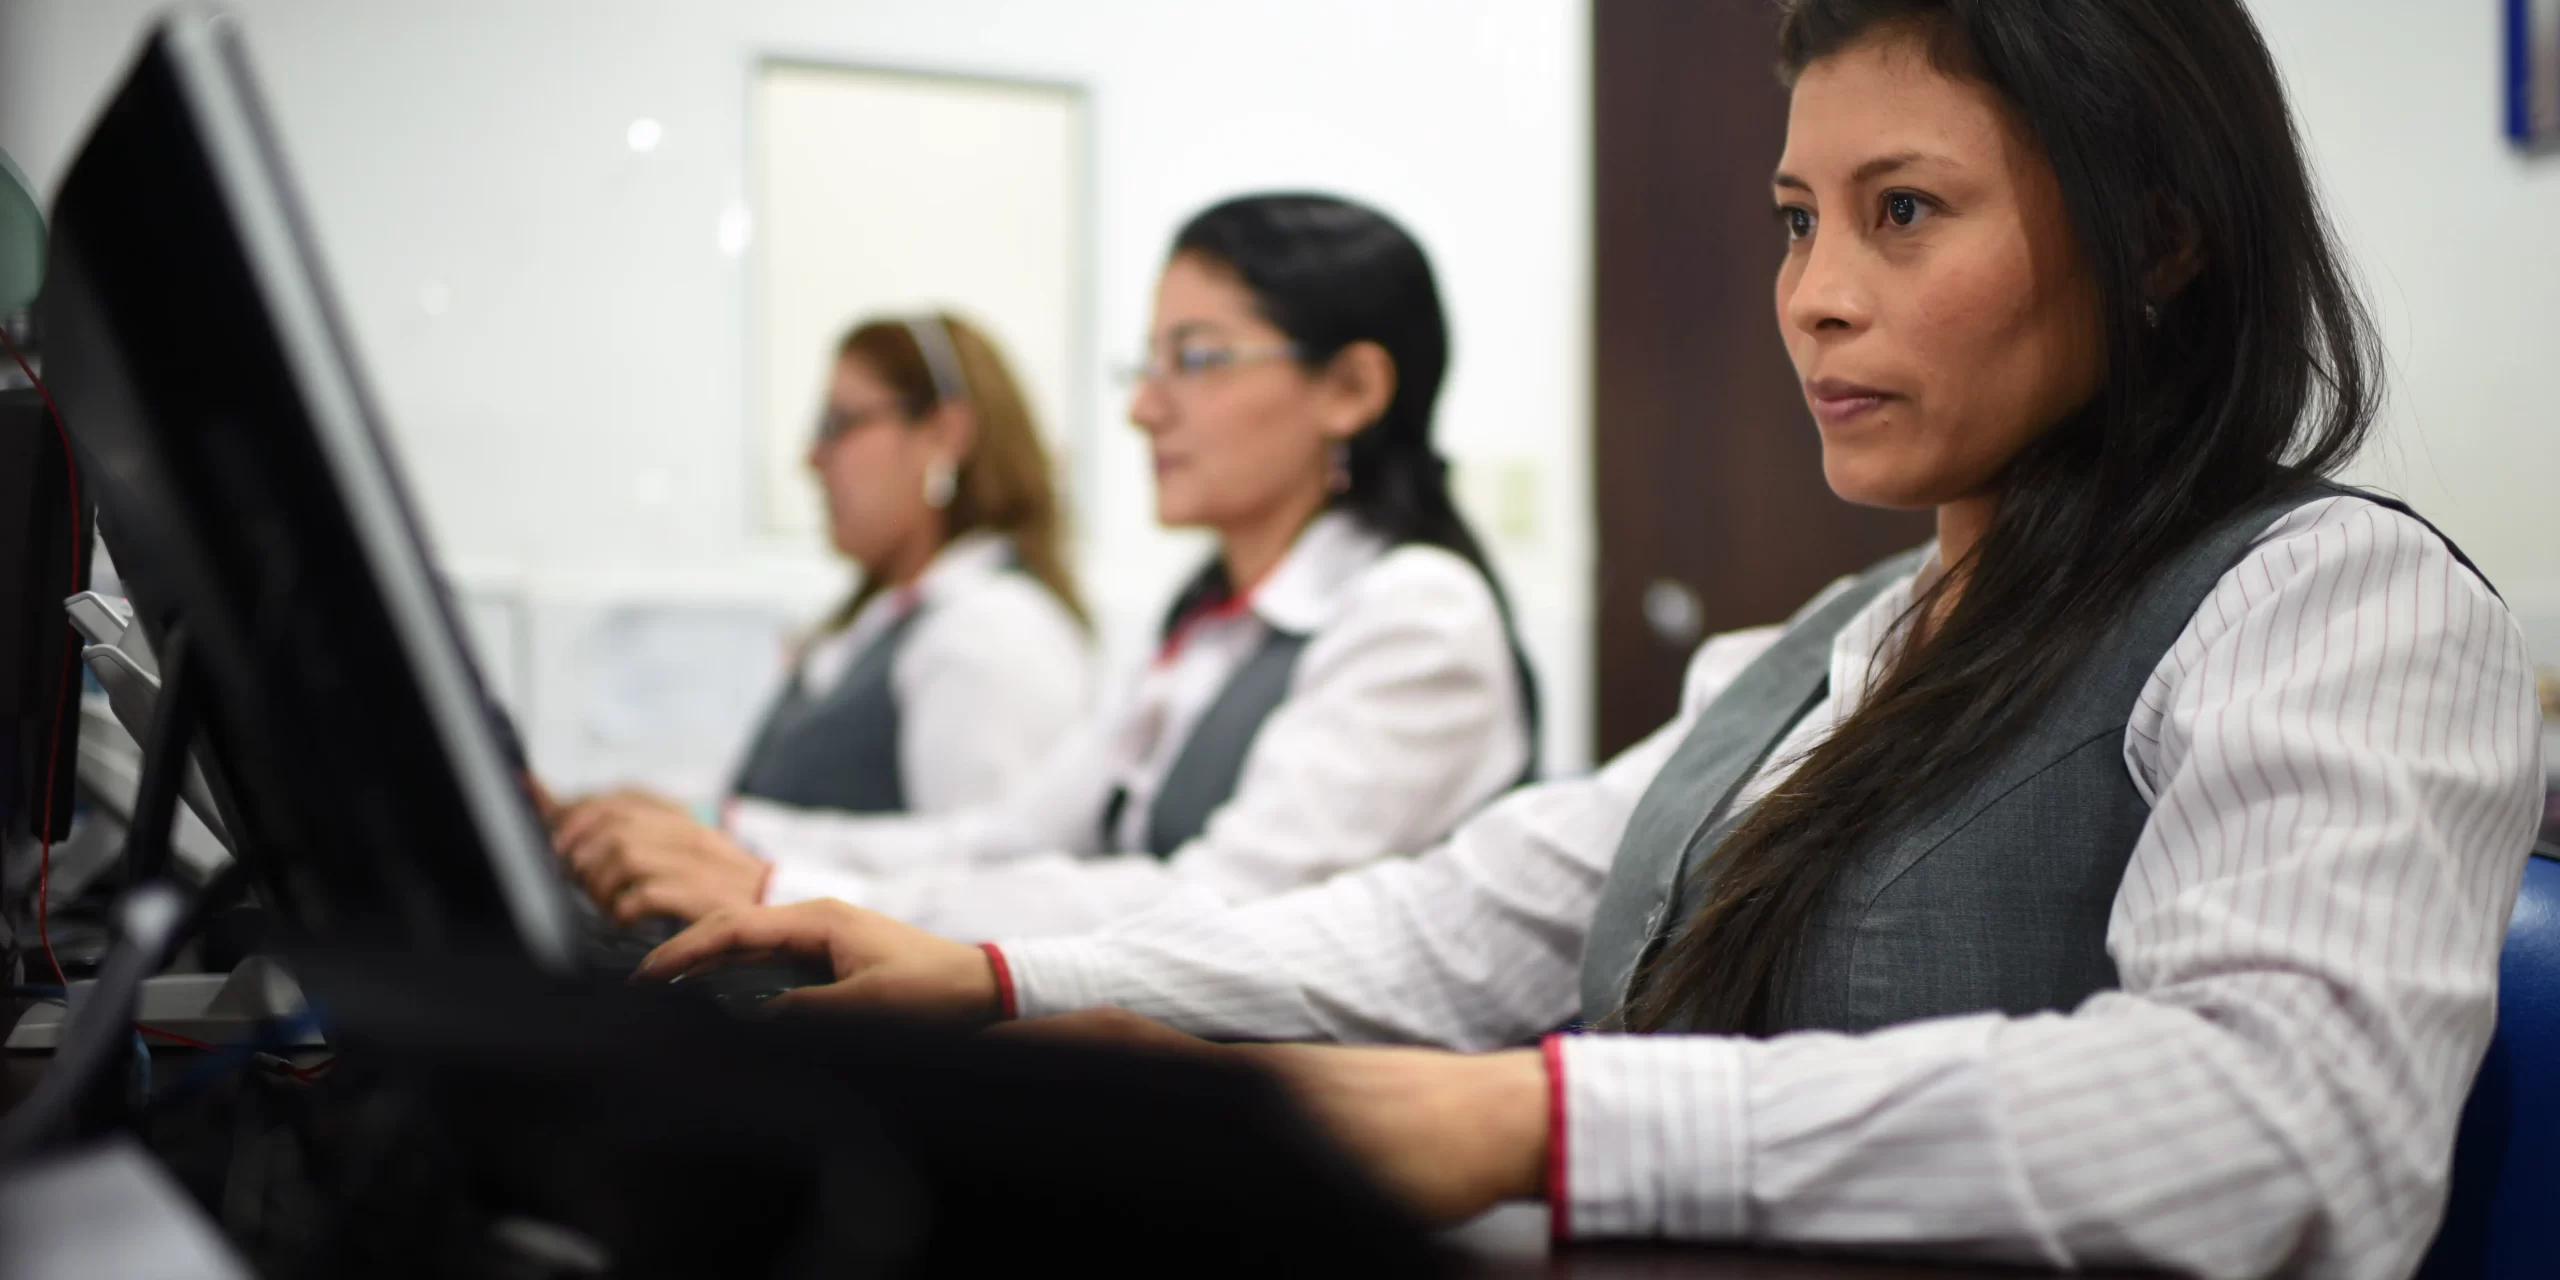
[217, 1008]
[156, 916]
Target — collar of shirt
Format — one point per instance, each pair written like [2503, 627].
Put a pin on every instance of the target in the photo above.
[1860, 653]
[1866, 647]
[961, 565]
[1301, 595]
[1304, 591]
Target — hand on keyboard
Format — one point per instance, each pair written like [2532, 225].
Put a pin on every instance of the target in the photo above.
[878, 963]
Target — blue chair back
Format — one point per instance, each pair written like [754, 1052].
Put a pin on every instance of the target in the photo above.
[2502, 1221]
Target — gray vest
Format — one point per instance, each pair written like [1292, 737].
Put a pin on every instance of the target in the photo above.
[840, 750]
[1204, 775]
[1997, 899]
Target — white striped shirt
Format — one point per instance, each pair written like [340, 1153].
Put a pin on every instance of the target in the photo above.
[2343, 755]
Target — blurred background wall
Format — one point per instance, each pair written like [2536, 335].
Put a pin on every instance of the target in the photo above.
[563, 324]
[558, 324]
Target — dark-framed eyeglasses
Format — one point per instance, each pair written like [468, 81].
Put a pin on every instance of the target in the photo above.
[835, 423]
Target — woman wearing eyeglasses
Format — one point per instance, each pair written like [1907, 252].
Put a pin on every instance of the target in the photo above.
[1338, 683]
[963, 658]
[2118, 882]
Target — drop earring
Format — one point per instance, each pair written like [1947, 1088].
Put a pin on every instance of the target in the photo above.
[2150, 315]
[1337, 467]
[941, 483]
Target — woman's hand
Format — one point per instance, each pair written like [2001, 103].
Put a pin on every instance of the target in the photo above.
[552, 809]
[640, 797]
[639, 857]
[1453, 1134]
[879, 963]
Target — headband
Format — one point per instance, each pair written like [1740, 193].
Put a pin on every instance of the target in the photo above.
[941, 359]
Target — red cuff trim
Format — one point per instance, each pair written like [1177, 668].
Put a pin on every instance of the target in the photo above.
[1006, 1005]
[1559, 1197]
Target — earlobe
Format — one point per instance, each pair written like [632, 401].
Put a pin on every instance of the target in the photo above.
[1364, 378]
[956, 422]
[2179, 253]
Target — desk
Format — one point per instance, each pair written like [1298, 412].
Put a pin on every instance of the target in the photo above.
[1512, 1242]
[107, 1210]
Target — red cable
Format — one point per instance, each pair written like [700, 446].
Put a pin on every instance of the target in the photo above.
[189, 1041]
[62, 695]
[53, 742]
[303, 1075]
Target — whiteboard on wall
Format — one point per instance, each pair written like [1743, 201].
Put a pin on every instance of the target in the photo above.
[887, 192]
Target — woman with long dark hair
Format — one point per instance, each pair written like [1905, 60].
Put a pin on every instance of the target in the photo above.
[1337, 684]
[2119, 881]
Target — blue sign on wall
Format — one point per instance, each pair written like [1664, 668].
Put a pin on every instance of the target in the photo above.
[2533, 73]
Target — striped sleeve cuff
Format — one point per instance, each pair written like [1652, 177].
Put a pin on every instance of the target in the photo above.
[1007, 1007]
[1651, 1139]
[1559, 1143]
[753, 823]
[1055, 975]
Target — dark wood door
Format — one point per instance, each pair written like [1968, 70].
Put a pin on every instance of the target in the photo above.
[1713, 512]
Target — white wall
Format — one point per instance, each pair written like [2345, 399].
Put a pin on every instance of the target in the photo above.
[575, 414]
[889, 194]
[559, 332]
[2457, 238]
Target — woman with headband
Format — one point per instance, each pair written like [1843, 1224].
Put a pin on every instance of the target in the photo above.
[1338, 683]
[962, 659]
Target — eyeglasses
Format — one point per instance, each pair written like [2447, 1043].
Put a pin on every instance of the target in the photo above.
[1189, 363]
[835, 424]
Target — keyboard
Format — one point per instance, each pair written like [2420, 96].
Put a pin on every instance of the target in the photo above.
[609, 948]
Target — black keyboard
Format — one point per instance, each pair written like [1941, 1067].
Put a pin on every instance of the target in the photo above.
[609, 948]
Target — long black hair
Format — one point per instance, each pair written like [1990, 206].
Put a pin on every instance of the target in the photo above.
[1328, 273]
[2166, 125]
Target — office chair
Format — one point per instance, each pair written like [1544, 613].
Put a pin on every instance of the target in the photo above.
[2502, 1221]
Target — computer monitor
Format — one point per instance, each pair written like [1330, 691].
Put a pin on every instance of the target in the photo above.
[248, 493]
